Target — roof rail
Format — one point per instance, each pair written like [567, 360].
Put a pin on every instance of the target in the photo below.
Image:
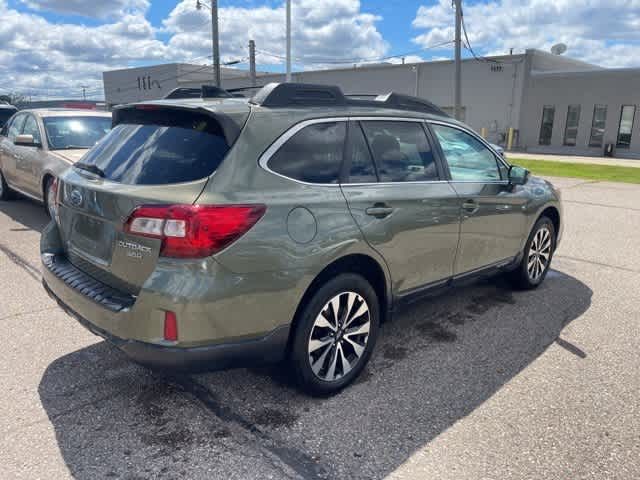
[400, 101]
[303, 94]
[206, 91]
[276, 95]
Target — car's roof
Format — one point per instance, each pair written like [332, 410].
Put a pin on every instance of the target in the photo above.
[67, 112]
[293, 114]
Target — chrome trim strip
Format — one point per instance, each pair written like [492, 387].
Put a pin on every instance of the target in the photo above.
[273, 148]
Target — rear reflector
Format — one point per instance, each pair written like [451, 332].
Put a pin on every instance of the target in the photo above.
[170, 326]
[193, 231]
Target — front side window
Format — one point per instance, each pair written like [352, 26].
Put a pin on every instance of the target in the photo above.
[468, 158]
[313, 154]
[31, 128]
[401, 151]
[546, 128]
[626, 126]
[361, 167]
[15, 127]
[65, 133]
[571, 128]
[597, 125]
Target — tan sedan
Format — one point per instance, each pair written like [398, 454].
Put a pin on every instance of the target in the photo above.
[36, 146]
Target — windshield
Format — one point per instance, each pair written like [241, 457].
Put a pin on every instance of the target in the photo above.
[66, 133]
[171, 148]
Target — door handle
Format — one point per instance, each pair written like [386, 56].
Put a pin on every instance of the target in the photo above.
[379, 210]
[470, 206]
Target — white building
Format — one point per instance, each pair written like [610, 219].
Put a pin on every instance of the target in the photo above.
[584, 106]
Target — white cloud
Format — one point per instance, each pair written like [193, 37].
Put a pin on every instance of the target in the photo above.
[323, 32]
[604, 32]
[93, 9]
[53, 59]
[47, 59]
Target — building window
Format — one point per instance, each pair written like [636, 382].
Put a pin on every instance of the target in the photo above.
[597, 125]
[571, 128]
[546, 128]
[626, 125]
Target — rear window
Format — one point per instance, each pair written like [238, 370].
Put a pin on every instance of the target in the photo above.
[160, 149]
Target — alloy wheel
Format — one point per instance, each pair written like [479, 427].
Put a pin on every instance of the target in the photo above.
[539, 254]
[339, 336]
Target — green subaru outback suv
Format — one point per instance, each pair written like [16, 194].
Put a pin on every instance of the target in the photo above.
[218, 233]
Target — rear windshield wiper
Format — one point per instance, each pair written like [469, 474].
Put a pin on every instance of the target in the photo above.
[90, 168]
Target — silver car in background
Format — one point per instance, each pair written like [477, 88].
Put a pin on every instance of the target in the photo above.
[36, 146]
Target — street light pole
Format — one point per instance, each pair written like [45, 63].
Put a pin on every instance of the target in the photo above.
[458, 76]
[288, 40]
[215, 41]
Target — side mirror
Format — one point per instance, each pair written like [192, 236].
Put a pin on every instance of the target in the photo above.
[518, 175]
[26, 141]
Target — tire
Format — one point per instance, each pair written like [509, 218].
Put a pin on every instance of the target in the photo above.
[47, 188]
[5, 191]
[328, 353]
[537, 256]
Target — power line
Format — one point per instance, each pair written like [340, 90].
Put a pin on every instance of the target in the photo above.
[480, 58]
[316, 60]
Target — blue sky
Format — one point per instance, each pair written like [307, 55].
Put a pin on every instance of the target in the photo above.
[51, 46]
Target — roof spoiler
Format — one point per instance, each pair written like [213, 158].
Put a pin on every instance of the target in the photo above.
[143, 113]
[275, 95]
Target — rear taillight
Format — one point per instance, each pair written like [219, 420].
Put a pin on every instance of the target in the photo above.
[55, 197]
[170, 326]
[193, 231]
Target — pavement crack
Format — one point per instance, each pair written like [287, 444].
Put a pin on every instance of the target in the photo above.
[20, 314]
[593, 204]
[32, 271]
[297, 460]
[599, 264]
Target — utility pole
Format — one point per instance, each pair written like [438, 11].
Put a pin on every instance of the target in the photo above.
[252, 62]
[84, 91]
[288, 40]
[214, 39]
[458, 79]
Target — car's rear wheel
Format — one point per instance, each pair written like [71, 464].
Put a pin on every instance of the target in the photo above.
[335, 335]
[537, 256]
[50, 197]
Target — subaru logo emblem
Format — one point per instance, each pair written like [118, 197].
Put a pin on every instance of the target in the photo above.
[75, 197]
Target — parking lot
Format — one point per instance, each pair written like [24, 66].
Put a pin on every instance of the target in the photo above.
[481, 383]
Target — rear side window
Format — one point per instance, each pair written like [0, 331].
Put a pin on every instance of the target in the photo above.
[159, 149]
[312, 155]
[401, 151]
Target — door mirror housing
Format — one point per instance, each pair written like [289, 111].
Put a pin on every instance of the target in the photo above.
[518, 175]
[26, 141]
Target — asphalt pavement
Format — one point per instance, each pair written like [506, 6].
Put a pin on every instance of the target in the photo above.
[480, 383]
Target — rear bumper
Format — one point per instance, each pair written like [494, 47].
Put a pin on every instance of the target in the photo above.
[265, 349]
